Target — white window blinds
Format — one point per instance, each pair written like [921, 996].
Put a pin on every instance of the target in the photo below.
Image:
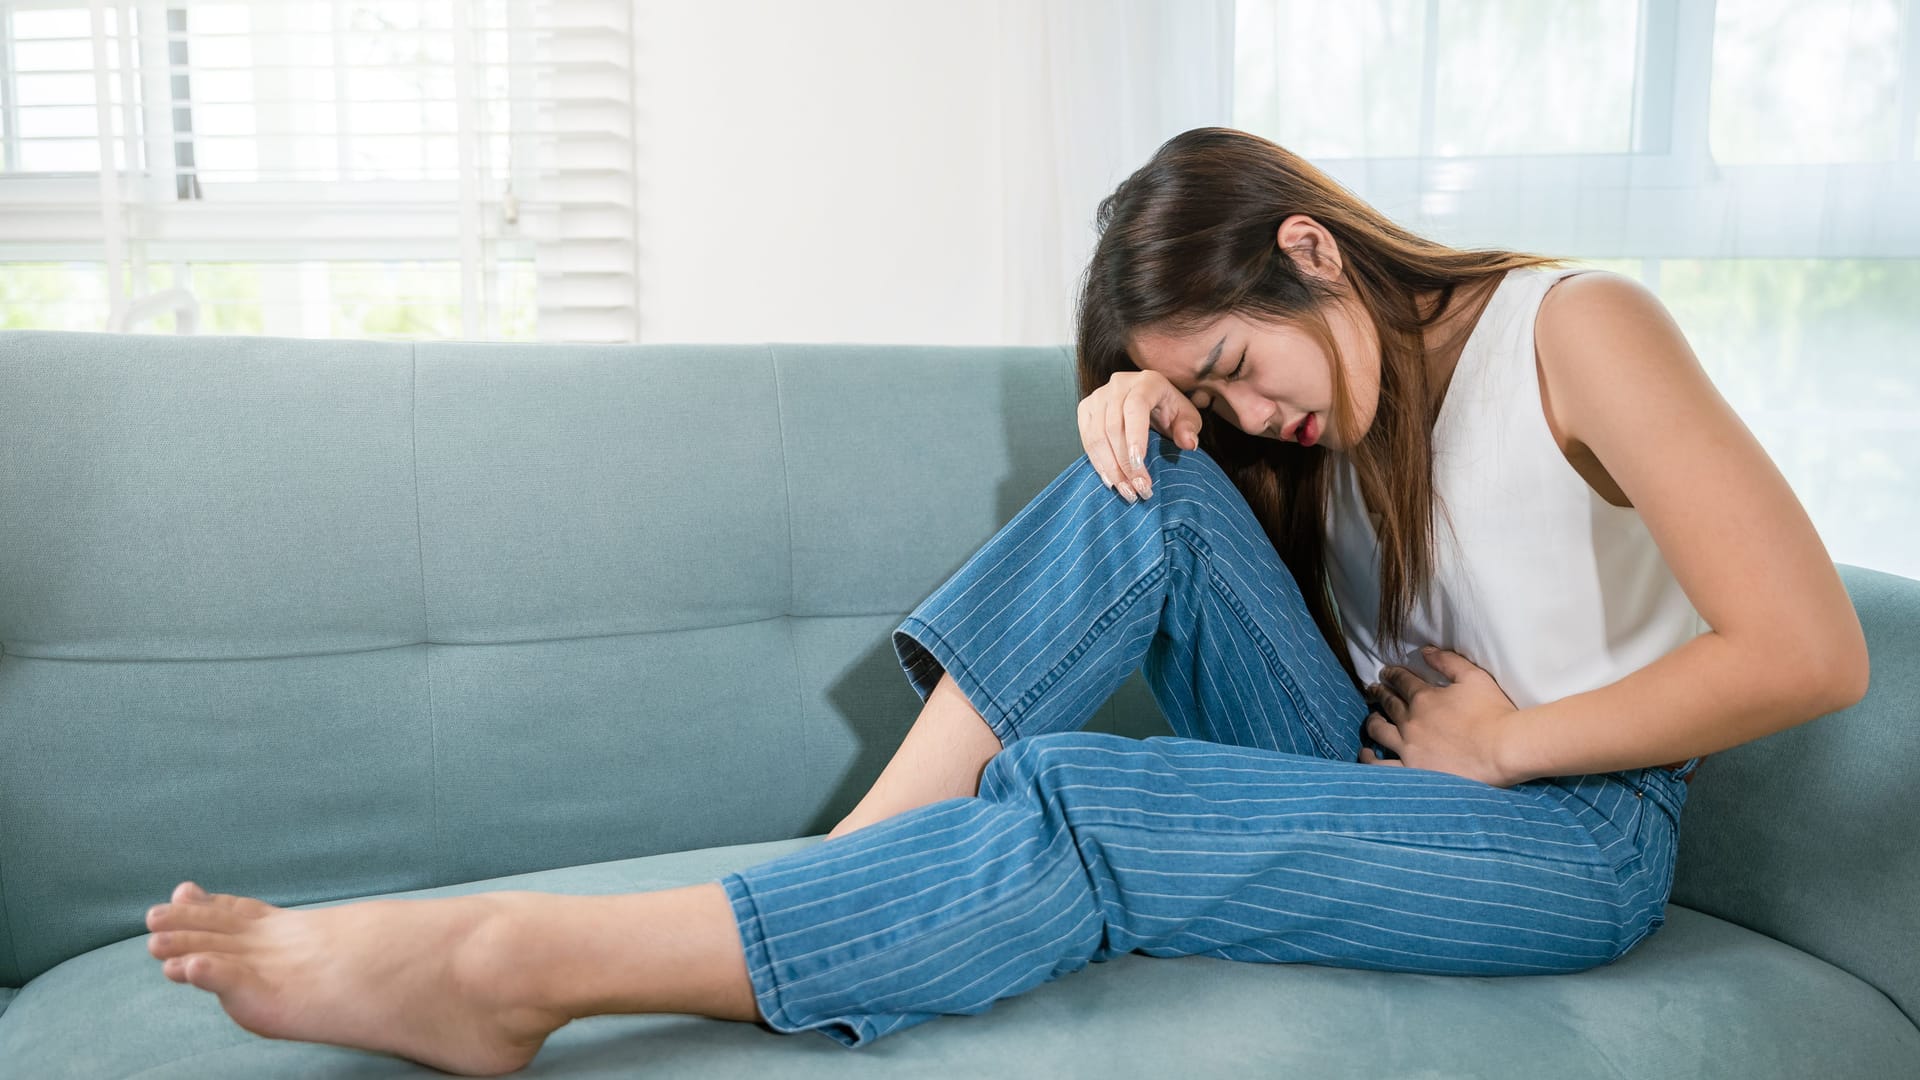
[332, 168]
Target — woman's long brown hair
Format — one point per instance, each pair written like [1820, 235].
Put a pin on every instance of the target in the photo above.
[1192, 236]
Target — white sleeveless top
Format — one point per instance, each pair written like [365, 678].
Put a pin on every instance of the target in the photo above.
[1549, 587]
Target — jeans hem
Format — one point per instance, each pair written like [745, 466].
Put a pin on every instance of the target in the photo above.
[915, 633]
[746, 917]
[774, 1012]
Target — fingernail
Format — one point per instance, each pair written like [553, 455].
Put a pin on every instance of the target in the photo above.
[1142, 487]
[1137, 463]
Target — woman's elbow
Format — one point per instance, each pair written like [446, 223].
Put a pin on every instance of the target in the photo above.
[1846, 670]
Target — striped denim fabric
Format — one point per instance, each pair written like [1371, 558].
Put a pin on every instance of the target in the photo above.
[1253, 834]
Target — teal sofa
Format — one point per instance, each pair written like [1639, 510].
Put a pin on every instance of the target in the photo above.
[317, 621]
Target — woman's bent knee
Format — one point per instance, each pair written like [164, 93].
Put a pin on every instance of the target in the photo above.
[1026, 763]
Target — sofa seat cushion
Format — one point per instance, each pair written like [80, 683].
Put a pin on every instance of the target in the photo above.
[1701, 997]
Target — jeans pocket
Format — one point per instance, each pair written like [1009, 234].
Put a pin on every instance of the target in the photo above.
[1611, 807]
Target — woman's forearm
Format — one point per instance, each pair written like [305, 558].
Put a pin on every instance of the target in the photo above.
[1705, 696]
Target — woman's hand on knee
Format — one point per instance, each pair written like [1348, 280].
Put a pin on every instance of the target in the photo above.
[1115, 419]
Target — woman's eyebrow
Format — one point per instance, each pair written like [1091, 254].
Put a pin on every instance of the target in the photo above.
[1212, 358]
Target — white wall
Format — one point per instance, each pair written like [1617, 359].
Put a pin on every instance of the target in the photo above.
[820, 171]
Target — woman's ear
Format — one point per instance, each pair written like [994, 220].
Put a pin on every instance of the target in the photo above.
[1310, 245]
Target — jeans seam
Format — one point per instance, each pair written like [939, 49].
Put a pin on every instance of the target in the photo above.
[1649, 786]
[1309, 719]
[1107, 618]
[1632, 830]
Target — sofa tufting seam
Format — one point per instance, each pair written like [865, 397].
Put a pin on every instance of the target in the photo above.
[786, 484]
[411, 644]
[6, 913]
[786, 479]
[426, 637]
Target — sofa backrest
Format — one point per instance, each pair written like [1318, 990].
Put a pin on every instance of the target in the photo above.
[310, 619]
[313, 619]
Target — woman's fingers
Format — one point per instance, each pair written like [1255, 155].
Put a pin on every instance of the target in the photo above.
[1386, 700]
[1383, 732]
[1093, 436]
[1150, 404]
[1131, 483]
[1181, 421]
[1404, 681]
[1116, 419]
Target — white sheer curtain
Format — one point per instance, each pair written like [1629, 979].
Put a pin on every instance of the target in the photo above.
[1089, 89]
[1752, 161]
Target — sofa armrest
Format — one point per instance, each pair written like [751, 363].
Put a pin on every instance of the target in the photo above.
[1808, 835]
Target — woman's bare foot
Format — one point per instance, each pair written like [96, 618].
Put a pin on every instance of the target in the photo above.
[434, 981]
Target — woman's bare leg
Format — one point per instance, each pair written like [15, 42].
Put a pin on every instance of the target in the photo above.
[470, 984]
[942, 757]
[473, 985]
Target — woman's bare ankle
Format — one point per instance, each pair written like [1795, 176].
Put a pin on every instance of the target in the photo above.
[847, 825]
[873, 809]
[942, 757]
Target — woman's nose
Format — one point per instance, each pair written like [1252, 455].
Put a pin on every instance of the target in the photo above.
[1252, 413]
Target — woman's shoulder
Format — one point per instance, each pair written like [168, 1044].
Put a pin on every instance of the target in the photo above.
[1587, 325]
[1590, 299]
[1617, 376]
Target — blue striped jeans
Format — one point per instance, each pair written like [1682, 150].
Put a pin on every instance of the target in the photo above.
[1255, 833]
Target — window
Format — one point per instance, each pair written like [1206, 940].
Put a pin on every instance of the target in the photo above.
[337, 168]
[1752, 161]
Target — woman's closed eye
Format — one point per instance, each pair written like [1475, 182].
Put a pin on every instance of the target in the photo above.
[1238, 370]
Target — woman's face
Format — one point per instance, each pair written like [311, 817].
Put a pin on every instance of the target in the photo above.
[1266, 379]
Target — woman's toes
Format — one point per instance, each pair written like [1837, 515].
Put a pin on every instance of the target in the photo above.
[171, 943]
[189, 893]
[244, 905]
[220, 973]
[196, 916]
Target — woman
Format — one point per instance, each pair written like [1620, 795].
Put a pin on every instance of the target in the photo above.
[1522, 465]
